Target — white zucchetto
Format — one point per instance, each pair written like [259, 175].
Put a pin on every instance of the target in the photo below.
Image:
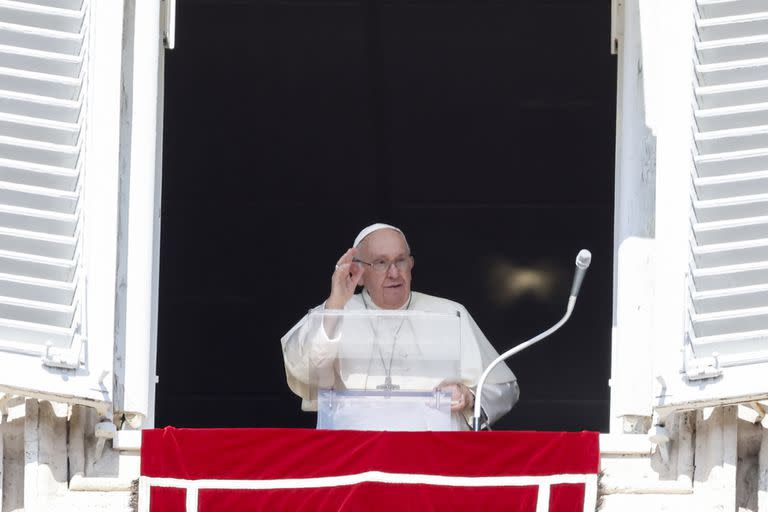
[374, 227]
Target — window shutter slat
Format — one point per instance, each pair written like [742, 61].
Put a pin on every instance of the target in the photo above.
[60, 99]
[728, 306]
[727, 8]
[42, 56]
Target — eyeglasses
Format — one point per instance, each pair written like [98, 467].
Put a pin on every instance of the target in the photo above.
[402, 264]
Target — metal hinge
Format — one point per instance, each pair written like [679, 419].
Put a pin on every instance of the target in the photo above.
[168, 17]
[67, 358]
[617, 25]
[703, 368]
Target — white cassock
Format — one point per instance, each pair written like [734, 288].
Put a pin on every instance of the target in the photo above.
[310, 357]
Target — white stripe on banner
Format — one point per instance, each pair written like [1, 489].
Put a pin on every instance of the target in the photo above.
[542, 482]
[542, 500]
[372, 476]
[590, 494]
[192, 495]
[143, 497]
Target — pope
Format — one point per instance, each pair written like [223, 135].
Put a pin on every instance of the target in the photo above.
[380, 261]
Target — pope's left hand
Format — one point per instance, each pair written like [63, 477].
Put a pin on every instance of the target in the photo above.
[461, 397]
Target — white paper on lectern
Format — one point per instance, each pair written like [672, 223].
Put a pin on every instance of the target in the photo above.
[384, 410]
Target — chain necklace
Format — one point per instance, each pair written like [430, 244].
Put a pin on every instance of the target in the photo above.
[388, 386]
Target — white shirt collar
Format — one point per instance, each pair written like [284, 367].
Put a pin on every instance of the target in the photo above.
[368, 301]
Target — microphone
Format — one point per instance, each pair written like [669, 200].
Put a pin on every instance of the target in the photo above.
[583, 259]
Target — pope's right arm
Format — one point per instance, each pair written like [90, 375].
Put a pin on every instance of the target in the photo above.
[311, 346]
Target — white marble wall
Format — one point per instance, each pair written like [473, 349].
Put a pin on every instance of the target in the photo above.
[716, 460]
[50, 461]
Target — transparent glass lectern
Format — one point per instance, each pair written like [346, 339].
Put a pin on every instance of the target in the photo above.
[381, 369]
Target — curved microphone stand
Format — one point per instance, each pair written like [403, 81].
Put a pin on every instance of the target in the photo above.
[583, 260]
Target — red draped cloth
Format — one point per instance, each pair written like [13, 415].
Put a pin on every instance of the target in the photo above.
[206, 470]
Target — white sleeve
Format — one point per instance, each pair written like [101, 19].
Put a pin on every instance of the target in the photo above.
[500, 391]
[309, 355]
[319, 346]
[498, 400]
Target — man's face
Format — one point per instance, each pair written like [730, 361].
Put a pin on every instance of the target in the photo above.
[390, 288]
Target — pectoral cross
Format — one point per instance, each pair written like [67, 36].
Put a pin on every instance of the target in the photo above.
[388, 386]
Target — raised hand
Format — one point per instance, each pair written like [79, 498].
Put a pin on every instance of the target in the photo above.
[344, 280]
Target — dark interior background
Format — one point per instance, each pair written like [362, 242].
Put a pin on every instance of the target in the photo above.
[485, 130]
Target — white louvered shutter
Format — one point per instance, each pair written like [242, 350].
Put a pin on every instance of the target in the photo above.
[726, 323]
[44, 91]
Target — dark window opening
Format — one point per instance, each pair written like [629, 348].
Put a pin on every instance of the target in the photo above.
[485, 130]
